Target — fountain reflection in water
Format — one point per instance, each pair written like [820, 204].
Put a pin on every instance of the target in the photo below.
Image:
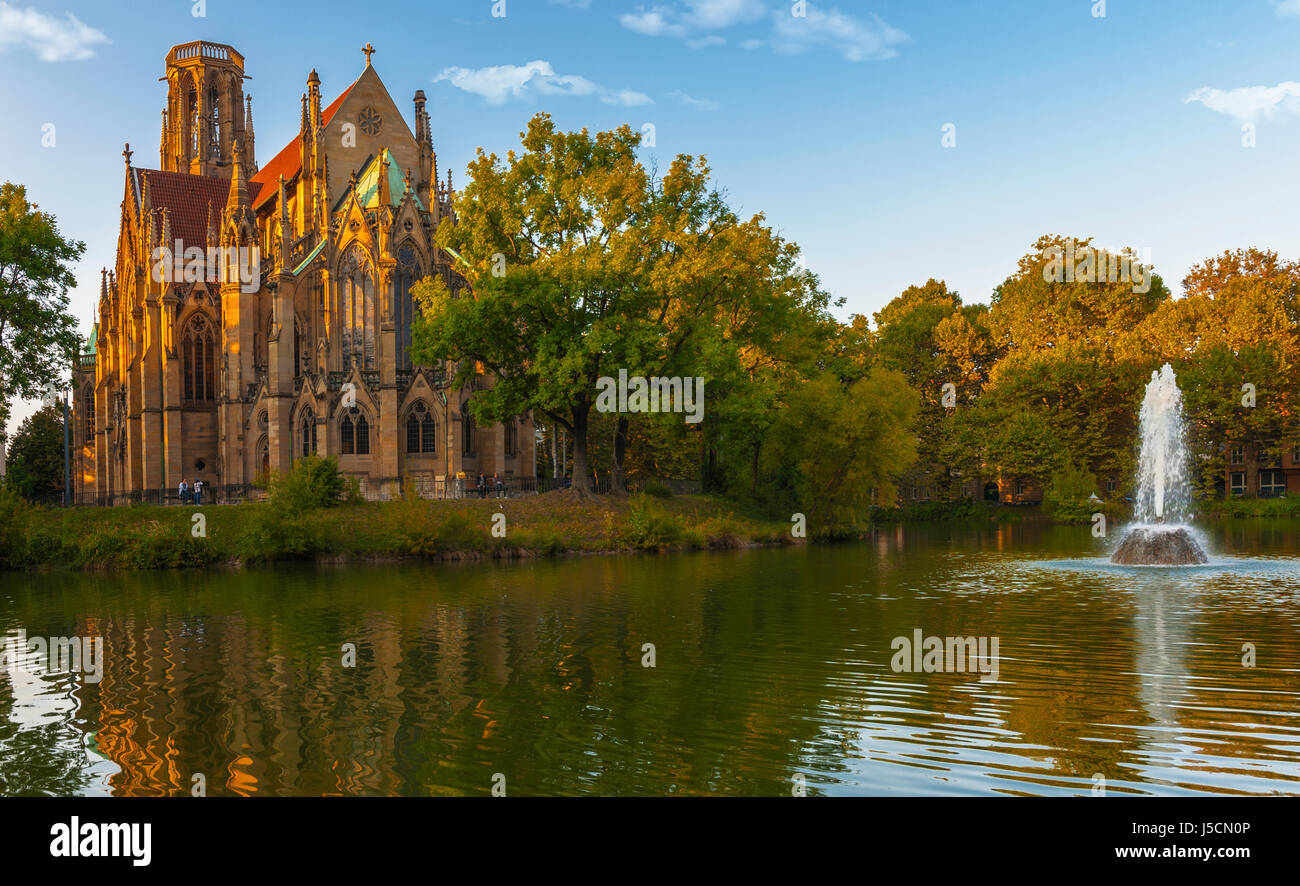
[1160, 534]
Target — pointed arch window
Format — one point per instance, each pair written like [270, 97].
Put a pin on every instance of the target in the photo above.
[199, 360]
[512, 438]
[89, 401]
[412, 434]
[357, 303]
[467, 430]
[214, 122]
[307, 433]
[363, 436]
[421, 431]
[192, 123]
[408, 274]
[347, 436]
[428, 435]
[354, 435]
[299, 358]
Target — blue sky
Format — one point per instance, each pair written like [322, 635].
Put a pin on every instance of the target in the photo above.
[1126, 127]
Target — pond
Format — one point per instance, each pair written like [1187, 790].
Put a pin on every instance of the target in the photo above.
[756, 672]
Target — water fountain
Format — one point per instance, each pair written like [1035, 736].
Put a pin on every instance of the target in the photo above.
[1160, 534]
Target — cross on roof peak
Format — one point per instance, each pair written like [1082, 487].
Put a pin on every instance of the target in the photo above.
[368, 50]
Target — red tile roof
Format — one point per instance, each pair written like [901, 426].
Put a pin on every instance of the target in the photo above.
[289, 162]
[186, 198]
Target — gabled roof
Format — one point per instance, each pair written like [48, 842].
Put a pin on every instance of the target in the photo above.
[186, 198]
[368, 183]
[289, 161]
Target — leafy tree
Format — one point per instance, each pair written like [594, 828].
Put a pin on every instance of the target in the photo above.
[933, 340]
[38, 337]
[581, 264]
[836, 445]
[36, 454]
[1038, 309]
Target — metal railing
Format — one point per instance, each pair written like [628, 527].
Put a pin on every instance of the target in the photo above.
[432, 488]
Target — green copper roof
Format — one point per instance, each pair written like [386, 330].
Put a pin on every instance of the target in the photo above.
[91, 341]
[368, 183]
[310, 257]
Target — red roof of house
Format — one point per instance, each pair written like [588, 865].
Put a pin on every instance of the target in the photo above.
[186, 198]
[289, 161]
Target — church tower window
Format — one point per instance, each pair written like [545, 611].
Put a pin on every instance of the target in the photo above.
[307, 433]
[199, 356]
[421, 432]
[347, 435]
[467, 429]
[408, 274]
[357, 299]
[354, 436]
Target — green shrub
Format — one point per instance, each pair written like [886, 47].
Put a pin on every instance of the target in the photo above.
[458, 533]
[352, 491]
[1237, 507]
[15, 518]
[412, 524]
[1066, 498]
[275, 532]
[312, 482]
[650, 527]
[658, 490]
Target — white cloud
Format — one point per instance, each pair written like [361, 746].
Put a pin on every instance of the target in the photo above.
[717, 14]
[695, 104]
[52, 39]
[1287, 8]
[498, 84]
[628, 98]
[657, 22]
[698, 21]
[692, 19]
[1249, 103]
[855, 39]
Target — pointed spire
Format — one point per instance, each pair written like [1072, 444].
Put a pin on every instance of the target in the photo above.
[103, 283]
[313, 99]
[406, 182]
[214, 235]
[421, 119]
[237, 200]
[146, 207]
[285, 222]
[286, 228]
[385, 193]
[165, 235]
[162, 143]
[248, 131]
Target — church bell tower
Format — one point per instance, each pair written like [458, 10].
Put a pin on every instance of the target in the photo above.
[206, 112]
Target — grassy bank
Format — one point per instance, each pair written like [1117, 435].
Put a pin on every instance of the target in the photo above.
[1240, 508]
[150, 537]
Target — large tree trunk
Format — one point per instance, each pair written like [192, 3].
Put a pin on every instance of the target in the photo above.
[617, 481]
[581, 470]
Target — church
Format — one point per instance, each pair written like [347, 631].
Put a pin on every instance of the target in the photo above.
[302, 346]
